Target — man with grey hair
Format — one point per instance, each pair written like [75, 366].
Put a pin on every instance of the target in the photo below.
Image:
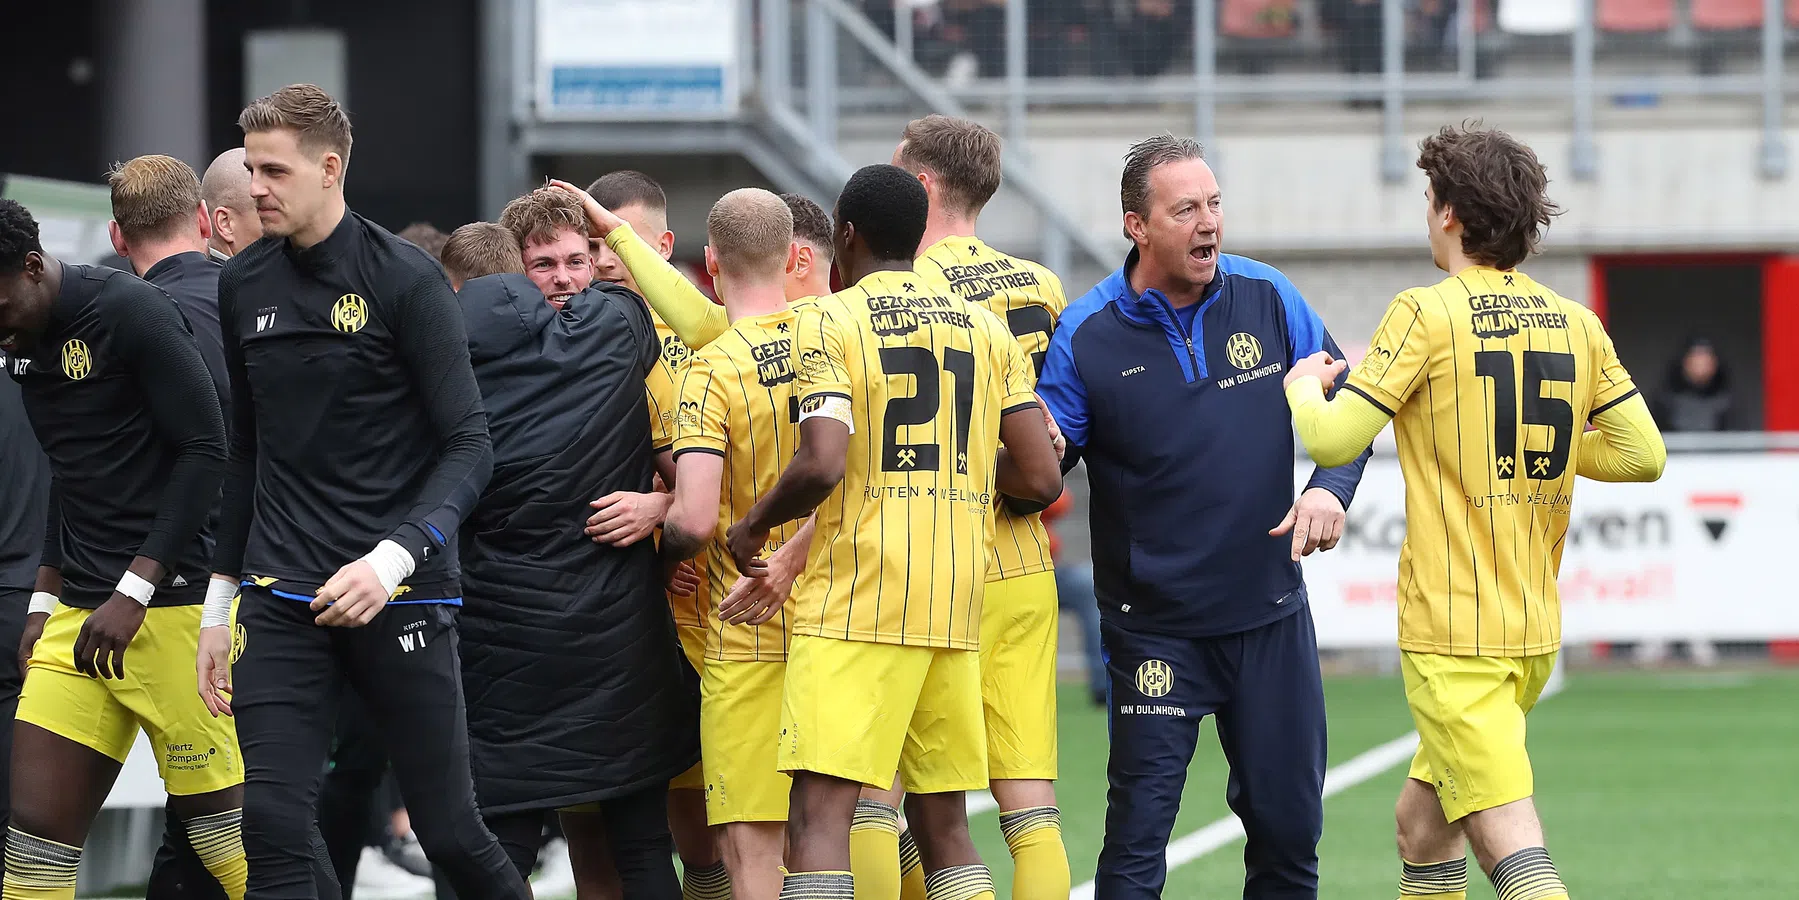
[1165, 377]
[226, 190]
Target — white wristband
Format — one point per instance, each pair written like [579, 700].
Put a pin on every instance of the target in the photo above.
[391, 563]
[42, 602]
[217, 611]
[135, 587]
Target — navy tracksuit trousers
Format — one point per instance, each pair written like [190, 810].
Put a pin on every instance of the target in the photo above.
[1264, 688]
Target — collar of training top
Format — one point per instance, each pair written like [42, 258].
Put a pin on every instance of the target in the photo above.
[1134, 296]
[333, 248]
[70, 299]
[192, 260]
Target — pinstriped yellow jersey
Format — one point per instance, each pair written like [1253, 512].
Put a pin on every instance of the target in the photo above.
[664, 389]
[737, 402]
[1490, 378]
[900, 554]
[1029, 298]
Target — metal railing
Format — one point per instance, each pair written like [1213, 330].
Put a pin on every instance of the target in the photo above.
[1583, 61]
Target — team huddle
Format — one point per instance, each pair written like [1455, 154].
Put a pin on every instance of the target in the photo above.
[747, 578]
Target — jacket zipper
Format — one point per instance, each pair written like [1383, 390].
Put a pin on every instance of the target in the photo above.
[1192, 358]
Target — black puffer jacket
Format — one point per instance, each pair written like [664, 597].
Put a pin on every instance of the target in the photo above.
[576, 687]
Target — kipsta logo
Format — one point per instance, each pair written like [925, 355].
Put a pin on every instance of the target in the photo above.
[1716, 512]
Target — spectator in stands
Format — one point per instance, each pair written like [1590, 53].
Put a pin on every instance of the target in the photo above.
[1697, 396]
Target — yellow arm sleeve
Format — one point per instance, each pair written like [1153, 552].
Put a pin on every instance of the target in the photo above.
[1626, 447]
[1334, 432]
[696, 320]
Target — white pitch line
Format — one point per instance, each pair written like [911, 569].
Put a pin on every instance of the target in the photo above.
[1229, 829]
[981, 802]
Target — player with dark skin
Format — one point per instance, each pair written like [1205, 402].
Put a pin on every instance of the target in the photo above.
[822, 806]
[59, 785]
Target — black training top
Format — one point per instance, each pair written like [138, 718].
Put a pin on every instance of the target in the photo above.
[25, 489]
[355, 415]
[126, 411]
[192, 278]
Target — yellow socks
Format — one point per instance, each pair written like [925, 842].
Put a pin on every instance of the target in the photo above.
[1446, 880]
[39, 869]
[1039, 861]
[817, 885]
[1528, 875]
[874, 851]
[959, 883]
[706, 883]
[911, 868]
[218, 840]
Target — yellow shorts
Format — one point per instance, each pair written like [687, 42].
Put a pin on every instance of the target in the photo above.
[1018, 675]
[860, 710]
[740, 724]
[693, 643]
[195, 753]
[1470, 715]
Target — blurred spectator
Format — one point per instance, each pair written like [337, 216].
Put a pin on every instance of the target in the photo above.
[426, 236]
[1074, 593]
[1697, 395]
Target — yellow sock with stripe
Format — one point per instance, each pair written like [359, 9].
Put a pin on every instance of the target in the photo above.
[38, 869]
[218, 840]
[711, 882]
[874, 851]
[911, 868]
[959, 883]
[817, 885]
[1528, 875]
[1039, 861]
[1447, 880]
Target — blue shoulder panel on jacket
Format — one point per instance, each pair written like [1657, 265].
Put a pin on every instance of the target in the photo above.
[1305, 330]
[1060, 385]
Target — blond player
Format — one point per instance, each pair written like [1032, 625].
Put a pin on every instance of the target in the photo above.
[906, 396]
[958, 162]
[1488, 378]
[738, 415]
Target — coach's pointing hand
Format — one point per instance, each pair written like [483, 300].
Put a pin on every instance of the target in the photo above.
[1316, 522]
[1319, 365]
[351, 598]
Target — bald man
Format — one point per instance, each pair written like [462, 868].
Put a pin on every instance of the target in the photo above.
[226, 191]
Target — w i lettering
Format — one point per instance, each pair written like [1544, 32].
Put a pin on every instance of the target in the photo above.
[412, 641]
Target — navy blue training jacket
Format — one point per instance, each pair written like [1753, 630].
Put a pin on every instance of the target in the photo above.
[1189, 446]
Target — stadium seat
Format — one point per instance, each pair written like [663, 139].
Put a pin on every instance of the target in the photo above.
[1256, 19]
[1634, 16]
[1547, 17]
[1735, 15]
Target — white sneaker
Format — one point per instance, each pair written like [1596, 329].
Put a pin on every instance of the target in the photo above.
[555, 874]
[377, 878]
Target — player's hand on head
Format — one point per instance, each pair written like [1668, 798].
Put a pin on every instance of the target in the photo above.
[100, 647]
[623, 518]
[1315, 521]
[599, 215]
[213, 666]
[352, 597]
[683, 580]
[1319, 365]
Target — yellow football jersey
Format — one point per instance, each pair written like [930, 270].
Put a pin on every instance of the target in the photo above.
[664, 389]
[1029, 298]
[737, 401]
[1490, 378]
[900, 554]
